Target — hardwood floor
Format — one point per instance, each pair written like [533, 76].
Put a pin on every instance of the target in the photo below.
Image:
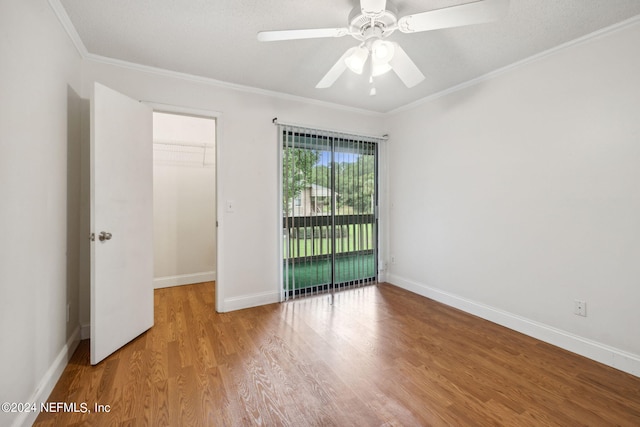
[379, 356]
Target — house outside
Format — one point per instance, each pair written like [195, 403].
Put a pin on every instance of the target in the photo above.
[313, 200]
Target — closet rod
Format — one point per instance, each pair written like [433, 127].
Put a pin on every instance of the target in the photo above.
[184, 144]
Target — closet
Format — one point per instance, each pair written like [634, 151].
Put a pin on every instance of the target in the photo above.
[184, 199]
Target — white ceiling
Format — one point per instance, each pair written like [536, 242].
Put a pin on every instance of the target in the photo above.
[217, 39]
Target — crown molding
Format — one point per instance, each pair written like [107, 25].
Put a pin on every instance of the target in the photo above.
[62, 16]
[66, 23]
[508, 68]
[225, 85]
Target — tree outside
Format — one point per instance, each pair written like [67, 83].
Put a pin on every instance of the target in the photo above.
[301, 161]
[354, 178]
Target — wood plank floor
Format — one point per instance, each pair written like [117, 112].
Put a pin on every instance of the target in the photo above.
[380, 356]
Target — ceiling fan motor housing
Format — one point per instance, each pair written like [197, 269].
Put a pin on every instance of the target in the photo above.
[363, 27]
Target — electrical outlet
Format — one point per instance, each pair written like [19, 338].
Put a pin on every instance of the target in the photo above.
[580, 308]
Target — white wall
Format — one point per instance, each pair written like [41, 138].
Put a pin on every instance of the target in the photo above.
[39, 193]
[184, 202]
[248, 261]
[518, 195]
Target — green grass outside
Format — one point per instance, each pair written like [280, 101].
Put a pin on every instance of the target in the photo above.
[355, 237]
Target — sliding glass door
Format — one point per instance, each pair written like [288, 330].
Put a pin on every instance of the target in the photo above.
[329, 223]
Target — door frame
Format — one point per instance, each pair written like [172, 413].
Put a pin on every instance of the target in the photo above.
[217, 116]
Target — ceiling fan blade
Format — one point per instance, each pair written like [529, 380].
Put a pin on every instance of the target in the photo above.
[270, 36]
[477, 12]
[373, 7]
[404, 67]
[335, 71]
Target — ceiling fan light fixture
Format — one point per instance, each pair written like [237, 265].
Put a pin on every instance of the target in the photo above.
[380, 69]
[356, 60]
[382, 51]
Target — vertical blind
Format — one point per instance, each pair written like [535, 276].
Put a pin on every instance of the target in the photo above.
[329, 205]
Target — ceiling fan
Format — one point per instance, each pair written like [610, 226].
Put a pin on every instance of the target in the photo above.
[376, 20]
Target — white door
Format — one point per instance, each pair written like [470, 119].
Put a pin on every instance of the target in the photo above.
[121, 170]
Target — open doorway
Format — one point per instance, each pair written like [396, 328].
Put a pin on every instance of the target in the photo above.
[184, 199]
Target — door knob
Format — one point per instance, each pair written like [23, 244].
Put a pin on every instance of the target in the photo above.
[104, 236]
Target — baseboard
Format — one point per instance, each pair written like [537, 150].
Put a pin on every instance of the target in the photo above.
[183, 279]
[593, 350]
[49, 380]
[248, 301]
